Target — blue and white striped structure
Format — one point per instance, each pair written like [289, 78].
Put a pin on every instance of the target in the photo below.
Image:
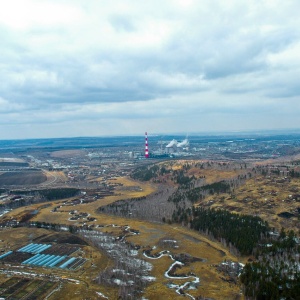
[41, 258]
[42, 248]
[27, 261]
[56, 261]
[53, 259]
[64, 265]
[46, 260]
[5, 254]
[35, 248]
[28, 248]
[33, 259]
[23, 249]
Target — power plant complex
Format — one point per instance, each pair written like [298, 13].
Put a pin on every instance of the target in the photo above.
[173, 147]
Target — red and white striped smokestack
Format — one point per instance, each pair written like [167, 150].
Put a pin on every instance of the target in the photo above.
[146, 146]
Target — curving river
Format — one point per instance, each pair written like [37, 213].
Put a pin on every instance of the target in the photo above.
[178, 288]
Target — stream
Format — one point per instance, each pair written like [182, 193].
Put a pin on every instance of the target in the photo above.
[178, 288]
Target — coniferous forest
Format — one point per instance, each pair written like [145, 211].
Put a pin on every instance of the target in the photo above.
[275, 273]
[240, 231]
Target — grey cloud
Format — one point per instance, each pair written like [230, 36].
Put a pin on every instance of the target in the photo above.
[162, 61]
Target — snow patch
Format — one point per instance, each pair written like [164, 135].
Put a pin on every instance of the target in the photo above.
[102, 295]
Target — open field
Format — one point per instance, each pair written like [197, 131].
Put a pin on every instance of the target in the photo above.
[131, 188]
[31, 177]
[214, 175]
[26, 289]
[68, 153]
[22, 178]
[54, 177]
[12, 162]
[14, 238]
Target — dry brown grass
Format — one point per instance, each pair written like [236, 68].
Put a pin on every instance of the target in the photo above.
[260, 196]
[45, 214]
[59, 175]
[67, 153]
[260, 191]
[212, 175]
[194, 244]
[282, 159]
[14, 238]
[189, 242]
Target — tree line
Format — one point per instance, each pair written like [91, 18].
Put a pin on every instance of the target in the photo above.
[51, 194]
[198, 193]
[240, 231]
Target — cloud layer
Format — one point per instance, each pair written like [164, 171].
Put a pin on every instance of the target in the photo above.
[70, 68]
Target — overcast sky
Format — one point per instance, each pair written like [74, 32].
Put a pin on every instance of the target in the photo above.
[123, 67]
